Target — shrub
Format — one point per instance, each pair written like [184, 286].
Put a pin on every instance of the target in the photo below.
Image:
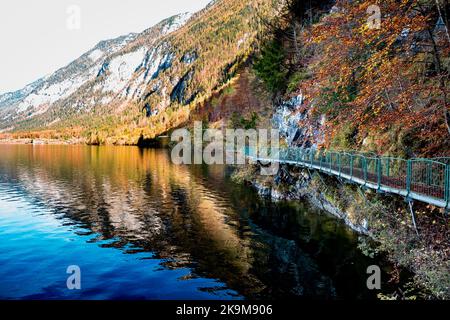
[269, 66]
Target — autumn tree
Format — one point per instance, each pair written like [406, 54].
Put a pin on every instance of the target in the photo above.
[386, 78]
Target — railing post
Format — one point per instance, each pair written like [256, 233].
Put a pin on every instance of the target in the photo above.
[429, 173]
[388, 167]
[365, 170]
[351, 167]
[379, 170]
[447, 186]
[320, 162]
[330, 156]
[408, 178]
[339, 163]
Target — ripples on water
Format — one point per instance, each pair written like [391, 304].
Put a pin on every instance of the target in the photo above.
[142, 228]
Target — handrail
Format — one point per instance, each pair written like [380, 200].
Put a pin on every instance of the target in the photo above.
[426, 180]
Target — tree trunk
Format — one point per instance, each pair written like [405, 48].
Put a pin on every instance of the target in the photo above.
[443, 20]
[441, 76]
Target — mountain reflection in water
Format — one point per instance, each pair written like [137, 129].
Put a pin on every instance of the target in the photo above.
[140, 227]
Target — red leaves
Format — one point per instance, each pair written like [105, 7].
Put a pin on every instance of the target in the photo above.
[378, 78]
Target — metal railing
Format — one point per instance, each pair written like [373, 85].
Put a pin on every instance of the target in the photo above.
[426, 180]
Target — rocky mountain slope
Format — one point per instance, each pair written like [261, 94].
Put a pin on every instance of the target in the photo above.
[38, 96]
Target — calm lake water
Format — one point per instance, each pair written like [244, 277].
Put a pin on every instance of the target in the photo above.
[140, 227]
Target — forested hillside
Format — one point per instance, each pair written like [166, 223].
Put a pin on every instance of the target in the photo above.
[363, 83]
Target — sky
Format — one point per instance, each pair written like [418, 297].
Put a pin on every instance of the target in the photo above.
[39, 37]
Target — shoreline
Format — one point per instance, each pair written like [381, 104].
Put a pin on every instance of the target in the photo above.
[30, 141]
[160, 142]
[75, 142]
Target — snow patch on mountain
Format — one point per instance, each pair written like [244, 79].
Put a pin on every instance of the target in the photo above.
[177, 22]
[106, 100]
[121, 70]
[243, 40]
[96, 54]
[50, 94]
[156, 61]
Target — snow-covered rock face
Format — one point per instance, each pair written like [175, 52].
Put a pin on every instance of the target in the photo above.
[158, 60]
[120, 68]
[287, 118]
[189, 57]
[176, 23]
[96, 54]
[50, 94]
[151, 65]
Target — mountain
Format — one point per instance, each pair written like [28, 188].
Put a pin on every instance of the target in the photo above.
[37, 97]
[167, 68]
[109, 65]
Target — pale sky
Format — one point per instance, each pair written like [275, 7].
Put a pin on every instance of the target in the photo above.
[39, 37]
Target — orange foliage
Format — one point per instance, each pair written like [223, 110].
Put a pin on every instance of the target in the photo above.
[379, 79]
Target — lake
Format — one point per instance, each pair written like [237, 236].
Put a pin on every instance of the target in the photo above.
[140, 227]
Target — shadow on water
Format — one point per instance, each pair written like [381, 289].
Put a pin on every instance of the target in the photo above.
[192, 218]
[159, 142]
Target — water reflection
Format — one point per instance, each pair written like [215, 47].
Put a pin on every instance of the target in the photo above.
[136, 201]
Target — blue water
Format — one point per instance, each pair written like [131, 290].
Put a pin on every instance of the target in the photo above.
[36, 247]
[141, 228]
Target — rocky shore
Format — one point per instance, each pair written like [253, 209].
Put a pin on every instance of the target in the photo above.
[386, 221]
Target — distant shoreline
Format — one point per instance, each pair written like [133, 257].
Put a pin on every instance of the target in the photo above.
[75, 142]
[29, 141]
